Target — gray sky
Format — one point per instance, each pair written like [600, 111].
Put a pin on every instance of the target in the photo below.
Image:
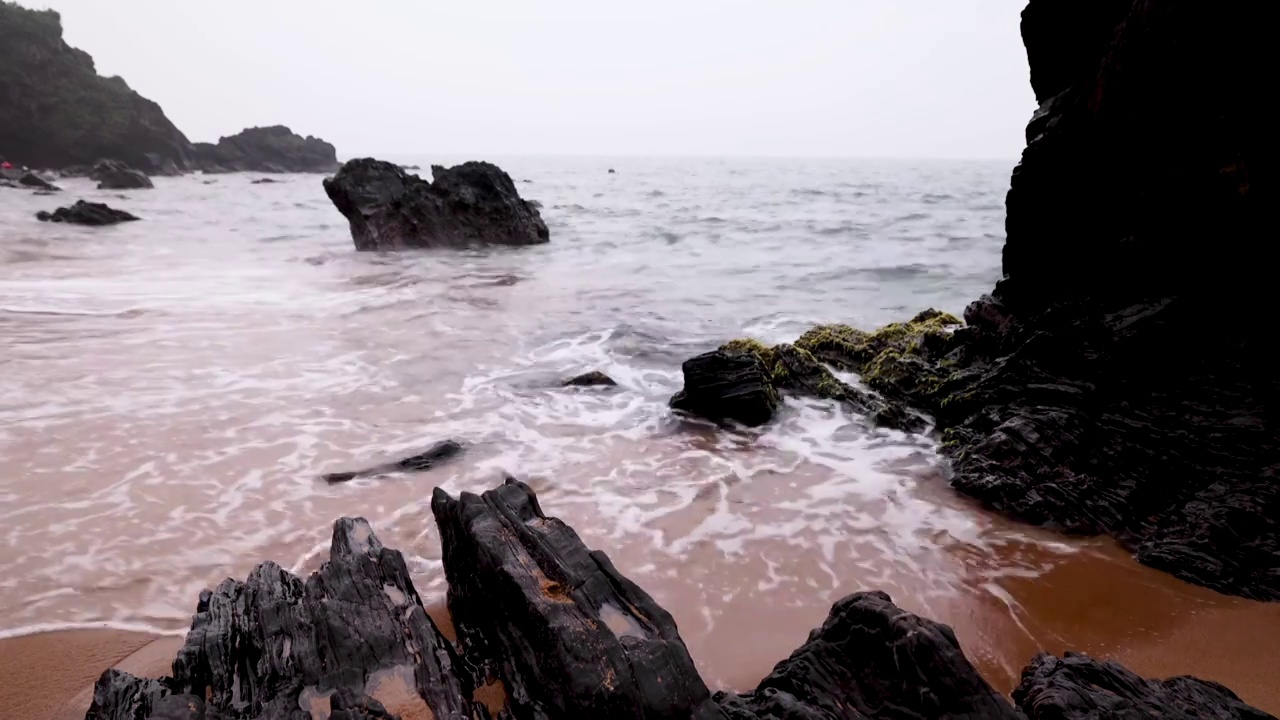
[869, 78]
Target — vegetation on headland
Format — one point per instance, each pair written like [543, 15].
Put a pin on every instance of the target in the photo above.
[56, 110]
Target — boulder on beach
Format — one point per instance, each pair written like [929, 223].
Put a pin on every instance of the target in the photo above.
[475, 203]
[86, 213]
[56, 110]
[115, 175]
[274, 149]
[547, 628]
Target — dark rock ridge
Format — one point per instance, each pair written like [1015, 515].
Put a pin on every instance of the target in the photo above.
[275, 149]
[115, 175]
[433, 456]
[1118, 380]
[86, 213]
[470, 204]
[549, 629]
[55, 110]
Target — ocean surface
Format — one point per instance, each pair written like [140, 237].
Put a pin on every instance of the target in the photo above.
[171, 390]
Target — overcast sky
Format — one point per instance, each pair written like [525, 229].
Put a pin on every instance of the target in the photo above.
[863, 78]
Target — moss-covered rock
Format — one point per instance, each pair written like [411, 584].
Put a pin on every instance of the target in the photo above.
[903, 360]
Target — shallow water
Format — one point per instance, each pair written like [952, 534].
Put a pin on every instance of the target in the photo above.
[170, 391]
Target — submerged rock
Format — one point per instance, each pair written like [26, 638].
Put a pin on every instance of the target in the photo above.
[115, 175]
[595, 378]
[438, 453]
[470, 204]
[262, 181]
[275, 149]
[86, 213]
[553, 630]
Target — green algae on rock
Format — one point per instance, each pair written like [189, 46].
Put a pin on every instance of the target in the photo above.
[903, 360]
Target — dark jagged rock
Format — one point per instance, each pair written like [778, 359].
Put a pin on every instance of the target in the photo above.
[871, 659]
[263, 181]
[352, 637]
[470, 204]
[1077, 686]
[577, 639]
[86, 213]
[595, 378]
[1116, 380]
[438, 453]
[275, 149]
[55, 110]
[562, 634]
[35, 181]
[727, 385]
[115, 175]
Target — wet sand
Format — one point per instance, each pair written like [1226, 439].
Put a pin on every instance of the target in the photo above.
[1170, 629]
[50, 675]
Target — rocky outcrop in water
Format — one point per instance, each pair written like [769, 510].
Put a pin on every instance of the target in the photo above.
[115, 175]
[433, 456]
[471, 204]
[1116, 380]
[86, 213]
[546, 628]
[55, 110]
[275, 149]
[744, 379]
[32, 180]
[595, 378]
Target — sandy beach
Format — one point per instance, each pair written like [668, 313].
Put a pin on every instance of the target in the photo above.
[50, 675]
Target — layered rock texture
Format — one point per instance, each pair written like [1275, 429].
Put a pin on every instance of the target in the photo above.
[275, 149]
[475, 203]
[55, 110]
[546, 628]
[1117, 379]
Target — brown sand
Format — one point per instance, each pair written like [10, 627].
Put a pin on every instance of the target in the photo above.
[50, 676]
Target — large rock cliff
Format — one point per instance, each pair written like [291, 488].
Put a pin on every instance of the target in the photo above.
[56, 110]
[1123, 381]
[1118, 379]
